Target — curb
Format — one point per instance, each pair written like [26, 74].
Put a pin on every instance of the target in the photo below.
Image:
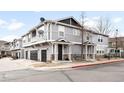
[97, 64]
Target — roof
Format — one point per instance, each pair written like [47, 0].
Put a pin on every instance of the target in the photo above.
[113, 39]
[60, 21]
[93, 32]
[88, 43]
[2, 42]
[70, 17]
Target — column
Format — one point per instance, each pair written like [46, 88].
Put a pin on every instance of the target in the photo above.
[120, 52]
[55, 53]
[52, 51]
[69, 53]
[85, 52]
[94, 52]
[28, 54]
[62, 51]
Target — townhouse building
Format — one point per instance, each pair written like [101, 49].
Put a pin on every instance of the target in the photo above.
[16, 48]
[60, 40]
[116, 46]
[4, 49]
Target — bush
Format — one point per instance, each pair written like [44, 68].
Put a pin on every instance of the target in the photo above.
[106, 56]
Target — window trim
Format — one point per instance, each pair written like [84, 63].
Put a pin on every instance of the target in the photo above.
[76, 32]
[61, 31]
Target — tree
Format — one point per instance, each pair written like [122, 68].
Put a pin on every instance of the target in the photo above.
[103, 26]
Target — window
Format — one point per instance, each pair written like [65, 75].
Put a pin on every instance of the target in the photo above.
[76, 32]
[88, 38]
[34, 33]
[99, 40]
[117, 51]
[41, 31]
[97, 52]
[61, 30]
[112, 50]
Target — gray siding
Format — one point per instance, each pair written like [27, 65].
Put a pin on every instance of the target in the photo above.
[76, 49]
[68, 34]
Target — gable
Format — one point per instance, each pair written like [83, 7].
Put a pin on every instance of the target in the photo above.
[70, 21]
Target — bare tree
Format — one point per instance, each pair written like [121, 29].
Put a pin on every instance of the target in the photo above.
[103, 26]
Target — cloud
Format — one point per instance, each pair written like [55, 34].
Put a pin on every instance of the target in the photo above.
[15, 25]
[96, 18]
[12, 25]
[3, 23]
[9, 38]
[117, 20]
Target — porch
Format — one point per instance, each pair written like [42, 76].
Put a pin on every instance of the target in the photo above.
[61, 51]
[89, 51]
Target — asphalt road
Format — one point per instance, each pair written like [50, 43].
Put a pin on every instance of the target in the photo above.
[113, 72]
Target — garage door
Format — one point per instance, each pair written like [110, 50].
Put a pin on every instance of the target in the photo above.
[34, 55]
[43, 55]
[26, 52]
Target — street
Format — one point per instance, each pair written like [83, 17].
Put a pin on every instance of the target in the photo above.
[113, 72]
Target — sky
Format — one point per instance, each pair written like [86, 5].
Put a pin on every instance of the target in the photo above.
[14, 24]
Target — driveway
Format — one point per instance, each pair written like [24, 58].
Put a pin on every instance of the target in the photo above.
[8, 64]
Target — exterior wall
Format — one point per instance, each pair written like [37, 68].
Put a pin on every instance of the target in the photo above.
[51, 32]
[5, 49]
[76, 52]
[100, 46]
[39, 48]
[16, 54]
[15, 48]
[69, 33]
[28, 40]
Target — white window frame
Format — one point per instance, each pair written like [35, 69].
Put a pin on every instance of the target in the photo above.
[61, 29]
[76, 32]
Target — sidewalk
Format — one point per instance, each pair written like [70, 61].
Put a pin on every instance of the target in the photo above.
[55, 66]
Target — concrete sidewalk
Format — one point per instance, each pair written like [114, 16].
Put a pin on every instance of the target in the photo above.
[56, 66]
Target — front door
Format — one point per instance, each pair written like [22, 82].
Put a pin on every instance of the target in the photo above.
[59, 52]
[43, 55]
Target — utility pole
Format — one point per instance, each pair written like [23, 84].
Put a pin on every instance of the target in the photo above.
[116, 38]
[82, 30]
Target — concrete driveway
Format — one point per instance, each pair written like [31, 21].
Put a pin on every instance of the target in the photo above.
[8, 64]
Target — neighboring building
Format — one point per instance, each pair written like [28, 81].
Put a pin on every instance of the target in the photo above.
[120, 46]
[60, 40]
[16, 48]
[4, 49]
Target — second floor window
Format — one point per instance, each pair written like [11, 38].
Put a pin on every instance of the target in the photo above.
[100, 40]
[76, 32]
[88, 38]
[34, 33]
[61, 30]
